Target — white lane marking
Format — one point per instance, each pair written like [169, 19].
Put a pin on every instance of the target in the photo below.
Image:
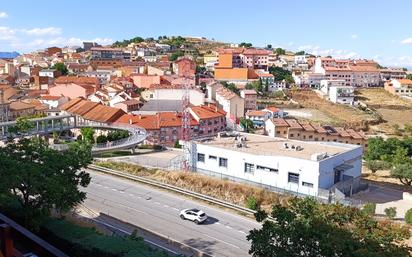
[106, 187]
[114, 189]
[175, 209]
[222, 241]
[243, 232]
[122, 192]
[165, 205]
[131, 194]
[139, 197]
[99, 185]
[218, 223]
[157, 203]
[229, 227]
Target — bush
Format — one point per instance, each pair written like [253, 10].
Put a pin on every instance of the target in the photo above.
[369, 208]
[81, 241]
[252, 203]
[101, 139]
[408, 216]
[390, 212]
[177, 144]
[117, 135]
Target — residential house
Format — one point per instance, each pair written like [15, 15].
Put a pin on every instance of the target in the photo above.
[184, 67]
[258, 117]
[306, 131]
[250, 97]
[399, 87]
[51, 73]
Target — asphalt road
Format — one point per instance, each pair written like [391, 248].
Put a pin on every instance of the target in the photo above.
[223, 234]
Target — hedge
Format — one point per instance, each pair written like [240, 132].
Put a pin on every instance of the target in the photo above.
[84, 242]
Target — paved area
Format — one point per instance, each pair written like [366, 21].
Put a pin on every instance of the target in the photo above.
[224, 234]
[163, 159]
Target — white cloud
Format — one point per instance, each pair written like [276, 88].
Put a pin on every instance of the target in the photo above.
[52, 31]
[6, 33]
[3, 15]
[354, 36]
[407, 41]
[337, 53]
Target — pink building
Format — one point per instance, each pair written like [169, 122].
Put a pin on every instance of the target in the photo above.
[145, 81]
[250, 97]
[184, 67]
[71, 90]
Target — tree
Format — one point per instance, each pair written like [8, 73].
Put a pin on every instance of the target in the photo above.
[308, 228]
[266, 85]
[61, 67]
[101, 139]
[300, 53]
[247, 124]
[408, 128]
[87, 134]
[369, 208]
[390, 212]
[252, 203]
[409, 76]
[41, 178]
[280, 51]
[408, 216]
[375, 165]
[269, 46]
[23, 125]
[246, 45]
[403, 172]
[280, 74]
[231, 86]
[173, 57]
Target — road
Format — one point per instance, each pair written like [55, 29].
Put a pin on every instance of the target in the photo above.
[224, 234]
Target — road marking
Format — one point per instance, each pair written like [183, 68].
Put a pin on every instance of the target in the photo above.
[122, 192]
[99, 185]
[240, 231]
[228, 227]
[218, 223]
[139, 197]
[165, 205]
[106, 187]
[114, 189]
[175, 208]
[222, 241]
[131, 194]
[157, 203]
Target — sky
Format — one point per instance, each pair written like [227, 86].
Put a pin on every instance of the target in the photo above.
[379, 29]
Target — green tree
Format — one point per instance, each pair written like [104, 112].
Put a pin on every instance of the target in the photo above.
[173, 57]
[61, 67]
[269, 46]
[369, 208]
[247, 124]
[375, 165]
[23, 125]
[246, 45]
[408, 216]
[101, 139]
[403, 172]
[252, 203]
[281, 74]
[308, 228]
[41, 178]
[231, 86]
[300, 53]
[266, 85]
[409, 76]
[88, 134]
[390, 212]
[280, 51]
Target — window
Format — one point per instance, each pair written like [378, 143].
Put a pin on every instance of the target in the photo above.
[307, 184]
[200, 157]
[223, 162]
[266, 169]
[212, 157]
[249, 168]
[293, 178]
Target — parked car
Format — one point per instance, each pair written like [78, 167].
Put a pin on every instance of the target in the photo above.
[195, 215]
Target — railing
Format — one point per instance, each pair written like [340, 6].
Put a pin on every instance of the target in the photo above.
[173, 188]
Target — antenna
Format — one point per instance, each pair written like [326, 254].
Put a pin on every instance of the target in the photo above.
[186, 130]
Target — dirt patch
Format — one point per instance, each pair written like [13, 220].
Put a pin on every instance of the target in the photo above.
[383, 178]
[341, 115]
[221, 189]
[392, 109]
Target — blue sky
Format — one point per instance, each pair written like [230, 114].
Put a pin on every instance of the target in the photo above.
[352, 28]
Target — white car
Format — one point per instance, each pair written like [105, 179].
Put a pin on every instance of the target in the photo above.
[195, 215]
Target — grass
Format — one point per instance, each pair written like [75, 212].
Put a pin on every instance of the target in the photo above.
[229, 191]
[342, 115]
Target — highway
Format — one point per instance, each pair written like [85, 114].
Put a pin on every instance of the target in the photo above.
[223, 234]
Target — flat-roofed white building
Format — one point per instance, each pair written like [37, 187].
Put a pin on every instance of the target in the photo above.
[309, 168]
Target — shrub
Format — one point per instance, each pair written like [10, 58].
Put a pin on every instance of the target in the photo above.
[408, 216]
[390, 212]
[177, 144]
[101, 139]
[252, 203]
[369, 208]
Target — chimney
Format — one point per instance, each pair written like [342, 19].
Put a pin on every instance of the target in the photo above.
[130, 121]
[140, 116]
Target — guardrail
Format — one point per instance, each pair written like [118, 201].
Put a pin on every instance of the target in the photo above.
[174, 189]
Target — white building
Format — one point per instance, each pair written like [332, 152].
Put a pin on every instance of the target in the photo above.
[51, 73]
[310, 168]
[308, 79]
[338, 92]
[196, 96]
